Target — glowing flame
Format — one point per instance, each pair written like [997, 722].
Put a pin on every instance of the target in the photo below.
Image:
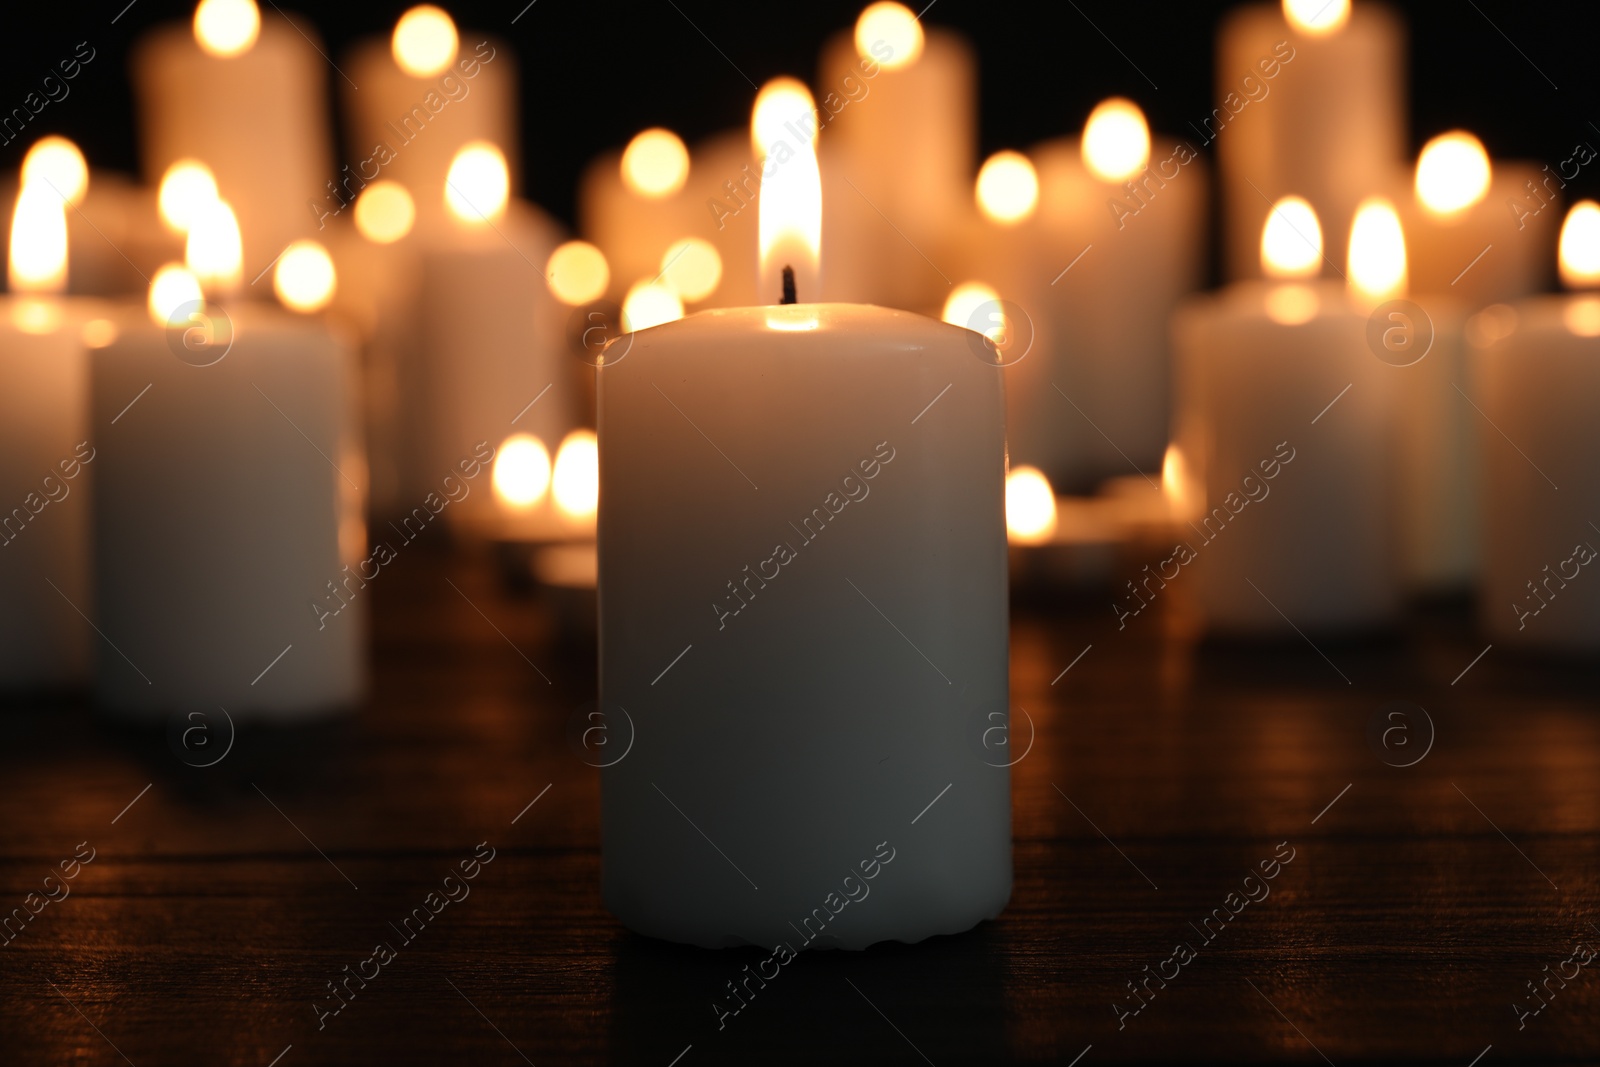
[38, 242]
[1318, 18]
[213, 251]
[1030, 507]
[385, 212]
[655, 164]
[227, 28]
[424, 42]
[1174, 480]
[784, 127]
[1377, 258]
[171, 290]
[1008, 187]
[650, 304]
[56, 162]
[577, 273]
[521, 471]
[304, 278]
[1452, 173]
[1291, 240]
[1580, 246]
[1116, 140]
[889, 34]
[576, 481]
[478, 185]
[692, 268]
[966, 300]
[186, 188]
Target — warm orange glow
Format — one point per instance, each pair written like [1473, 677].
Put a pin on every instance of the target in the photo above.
[171, 289]
[98, 333]
[691, 268]
[521, 471]
[1582, 316]
[304, 278]
[578, 273]
[655, 164]
[38, 262]
[1116, 140]
[186, 188]
[1452, 173]
[1291, 305]
[35, 315]
[1175, 480]
[650, 304]
[1580, 246]
[576, 481]
[213, 251]
[424, 42]
[889, 34]
[225, 28]
[1008, 187]
[1318, 18]
[1493, 323]
[56, 162]
[385, 212]
[1291, 240]
[1030, 507]
[1377, 257]
[478, 185]
[790, 216]
[964, 302]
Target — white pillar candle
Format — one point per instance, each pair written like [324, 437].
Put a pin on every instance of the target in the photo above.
[1311, 101]
[419, 97]
[1290, 419]
[46, 447]
[245, 94]
[844, 573]
[899, 146]
[1536, 381]
[227, 540]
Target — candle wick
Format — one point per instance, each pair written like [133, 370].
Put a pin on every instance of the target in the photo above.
[788, 287]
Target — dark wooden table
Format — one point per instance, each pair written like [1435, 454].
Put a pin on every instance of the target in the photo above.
[1420, 902]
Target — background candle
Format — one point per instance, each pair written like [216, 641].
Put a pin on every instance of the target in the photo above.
[1313, 98]
[634, 204]
[1536, 380]
[245, 95]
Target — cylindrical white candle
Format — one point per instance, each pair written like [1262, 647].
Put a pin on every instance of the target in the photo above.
[634, 204]
[1536, 380]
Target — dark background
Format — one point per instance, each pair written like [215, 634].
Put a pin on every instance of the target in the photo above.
[594, 72]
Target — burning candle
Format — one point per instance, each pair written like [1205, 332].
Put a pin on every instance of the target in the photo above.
[1537, 375]
[633, 205]
[1287, 418]
[718, 829]
[227, 537]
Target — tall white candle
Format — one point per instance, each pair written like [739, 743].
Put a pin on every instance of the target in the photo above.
[844, 574]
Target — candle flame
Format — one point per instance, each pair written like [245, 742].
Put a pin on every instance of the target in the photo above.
[889, 34]
[478, 185]
[578, 273]
[1377, 256]
[521, 471]
[1318, 18]
[385, 212]
[575, 484]
[784, 128]
[1008, 187]
[57, 163]
[38, 262]
[1291, 240]
[186, 188]
[173, 288]
[213, 251]
[650, 304]
[692, 268]
[1030, 507]
[1116, 140]
[655, 164]
[1175, 480]
[226, 28]
[304, 278]
[1452, 173]
[1580, 246]
[425, 41]
[963, 303]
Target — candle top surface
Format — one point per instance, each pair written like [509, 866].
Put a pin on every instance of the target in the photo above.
[890, 327]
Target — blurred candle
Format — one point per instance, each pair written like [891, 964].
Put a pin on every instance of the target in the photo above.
[1288, 421]
[633, 205]
[1311, 100]
[1538, 374]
